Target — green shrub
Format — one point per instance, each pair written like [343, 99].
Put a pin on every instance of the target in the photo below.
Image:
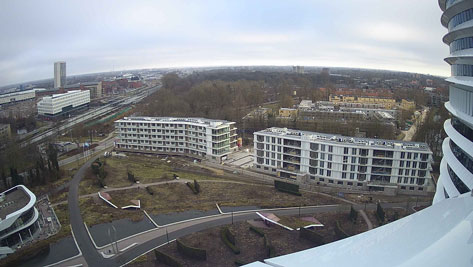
[269, 247]
[311, 236]
[228, 242]
[287, 187]
[339, 232]
[192, 187]
[166, 259]
[150, 190]
[195, 253]
[257, 231]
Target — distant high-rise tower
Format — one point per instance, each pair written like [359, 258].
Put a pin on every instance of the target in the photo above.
[456, 168]
[59, 74]
[298, 69]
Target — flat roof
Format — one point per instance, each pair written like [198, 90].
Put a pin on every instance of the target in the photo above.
[340, 139]
[202, 121]
[15, 199]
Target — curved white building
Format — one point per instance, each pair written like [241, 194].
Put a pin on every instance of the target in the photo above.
[456, 168]
[18, 218]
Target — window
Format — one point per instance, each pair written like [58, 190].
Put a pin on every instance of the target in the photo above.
[273, 140]
[414, 164]
[322, 155]
[353, 160]
[352, 168]
[321, 179]
[401, 163]
[406, 180]
[330, 157]
[330, 149]
[329, 173]
[359, 184]
[399, 180]
[330, 181]
[322, 147]
[340, 182]
[322, 164]
[400, 172]
[329, 165]
[344, 167]
[412, 181]
[403, 155]
[344, 175]
[352, 176]
[345, 159]
[353, 151]
[345, 151]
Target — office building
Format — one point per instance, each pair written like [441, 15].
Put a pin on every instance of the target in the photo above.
[59, 74]
[15, 97]
[18, 218]
[62, 104]
[196, 137]
[346, 162]
[456, 167]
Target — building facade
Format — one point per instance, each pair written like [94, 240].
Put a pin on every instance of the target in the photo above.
[17, 97]
[456, 167]
[196, 137]
[5, 132]
[347, 162]
[59, 74]
[18, 218]
[61, 104]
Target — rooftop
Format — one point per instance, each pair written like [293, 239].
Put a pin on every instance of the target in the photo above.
[203, 121]
[13, 200]
[340, 139]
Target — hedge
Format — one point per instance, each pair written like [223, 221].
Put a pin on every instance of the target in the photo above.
[26, 253]
[257, 231]
[230, 236]
[269, 247]
[196, 186]
[223, 234]
[150, 190]
[240, 263]
[192, 187]
[380, 215]
[339, 232]
[166, 259]
[195, 253]
[287, 187]
[131, 177]
[311, 236]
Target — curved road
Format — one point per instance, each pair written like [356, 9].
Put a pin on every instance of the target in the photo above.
[143, 243]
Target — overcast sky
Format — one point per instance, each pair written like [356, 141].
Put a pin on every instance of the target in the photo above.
[95, 36]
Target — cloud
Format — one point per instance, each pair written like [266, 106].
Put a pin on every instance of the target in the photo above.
[93, 36]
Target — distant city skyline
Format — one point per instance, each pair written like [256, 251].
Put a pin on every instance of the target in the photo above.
[118, 35]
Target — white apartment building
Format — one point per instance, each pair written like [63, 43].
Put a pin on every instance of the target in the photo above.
[196, 137]
[59, 104]
[340, 161]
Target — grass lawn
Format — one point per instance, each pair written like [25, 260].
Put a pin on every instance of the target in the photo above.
[147, 169]
[177, 197]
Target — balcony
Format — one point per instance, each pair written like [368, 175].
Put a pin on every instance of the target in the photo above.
[292, 151]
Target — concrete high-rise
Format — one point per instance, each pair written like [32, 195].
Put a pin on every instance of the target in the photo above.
[456, 168]
[59, 74]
